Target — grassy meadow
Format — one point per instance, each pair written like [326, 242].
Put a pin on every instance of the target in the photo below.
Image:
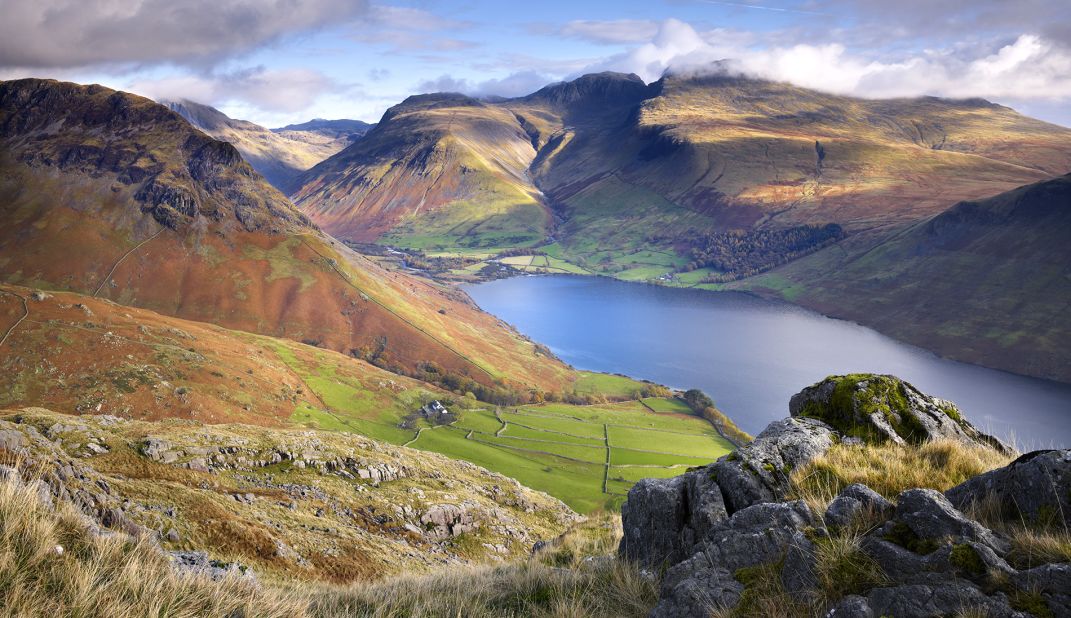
[585, 455]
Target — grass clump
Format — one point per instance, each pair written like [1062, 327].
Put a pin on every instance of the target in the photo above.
[842, 568]
[51, 565]
[966, 558]
[890, 468]
[608, 589]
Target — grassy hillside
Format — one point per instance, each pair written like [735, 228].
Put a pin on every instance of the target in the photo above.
[985, 281]
[80, 355]
[279, 156]
[123, 577]
[112, 195]
[288, 503]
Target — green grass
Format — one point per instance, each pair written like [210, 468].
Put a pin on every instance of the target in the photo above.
[590, 383]
[590, 454]
[515, 430]
[577, 484]
[642, 273]
[667, 405]
[556, 423]
[707, 447]
[557, 448]
[479, 420]
[623, 456]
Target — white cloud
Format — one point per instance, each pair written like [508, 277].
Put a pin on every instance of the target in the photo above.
[610, 32]
[281, 91]
[513, 85]
[1028, 67]
[72, 33]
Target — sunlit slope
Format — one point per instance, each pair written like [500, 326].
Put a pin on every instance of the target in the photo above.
[437, 171]
[714, 154]
[628, 168]
[112, 195]
[279, 156]
[986, 281]
[80, 355]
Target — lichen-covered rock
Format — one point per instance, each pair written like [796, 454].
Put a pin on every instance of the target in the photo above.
[854, 502]
[948, 598]
[198, 562]
[663, 519]
[880, 408]
[925, 516]
[755, 536]
[759, 472]
[1035, 487]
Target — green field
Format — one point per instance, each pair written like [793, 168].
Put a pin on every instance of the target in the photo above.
[587, 456]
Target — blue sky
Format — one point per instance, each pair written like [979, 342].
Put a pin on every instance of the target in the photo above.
[281, 61]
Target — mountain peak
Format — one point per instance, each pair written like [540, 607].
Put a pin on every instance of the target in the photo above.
[604, 87]
[175, 173]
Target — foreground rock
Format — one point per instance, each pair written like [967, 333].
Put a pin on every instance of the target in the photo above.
[664, 519]
[1035, 487]
[718, 530]
[879, 408]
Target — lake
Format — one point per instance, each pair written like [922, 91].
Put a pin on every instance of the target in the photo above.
[751, 355]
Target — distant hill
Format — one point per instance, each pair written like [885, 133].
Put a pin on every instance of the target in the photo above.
[441, 169]
[112, 195]
[623, 168]
[279, 154]
[328, 128]
[986, 281]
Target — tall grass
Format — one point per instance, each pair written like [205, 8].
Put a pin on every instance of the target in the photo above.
[890, 469]
[52, 564]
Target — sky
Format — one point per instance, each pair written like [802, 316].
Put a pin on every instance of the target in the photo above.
[276, 62]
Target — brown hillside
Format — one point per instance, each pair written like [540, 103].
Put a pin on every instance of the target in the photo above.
[112, 195]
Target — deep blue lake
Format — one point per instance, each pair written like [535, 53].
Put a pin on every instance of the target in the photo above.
[751, 355]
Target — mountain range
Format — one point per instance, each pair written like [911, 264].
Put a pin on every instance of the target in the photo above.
[279, 155]
[114, 196]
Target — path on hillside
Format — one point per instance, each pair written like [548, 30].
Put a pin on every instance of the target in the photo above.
[123, 257]
[25, 314]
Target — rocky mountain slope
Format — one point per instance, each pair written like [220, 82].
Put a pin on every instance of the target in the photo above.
[317, 506]
[736, 538]
[279, 155]
[985, 281]
[114, 196]
[627, 167]
[441, 166]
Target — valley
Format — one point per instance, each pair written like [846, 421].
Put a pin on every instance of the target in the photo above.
[589, 310]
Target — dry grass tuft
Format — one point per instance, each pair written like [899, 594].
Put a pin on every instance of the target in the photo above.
[118, 576]
[890, 469]
[50, 564]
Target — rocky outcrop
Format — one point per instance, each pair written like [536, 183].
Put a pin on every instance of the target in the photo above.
[880, 408]
[663, 519]
[1035, 487]
[718, 530]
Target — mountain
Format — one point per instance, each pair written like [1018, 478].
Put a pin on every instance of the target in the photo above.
[279, 154]
[437, 170]
[627, 168]
[986, 281]
[333, 129]
[114, 196]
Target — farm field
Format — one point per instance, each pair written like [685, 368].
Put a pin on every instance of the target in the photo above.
[586, 455]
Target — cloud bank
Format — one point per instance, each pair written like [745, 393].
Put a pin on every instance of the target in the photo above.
[1028, 66]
